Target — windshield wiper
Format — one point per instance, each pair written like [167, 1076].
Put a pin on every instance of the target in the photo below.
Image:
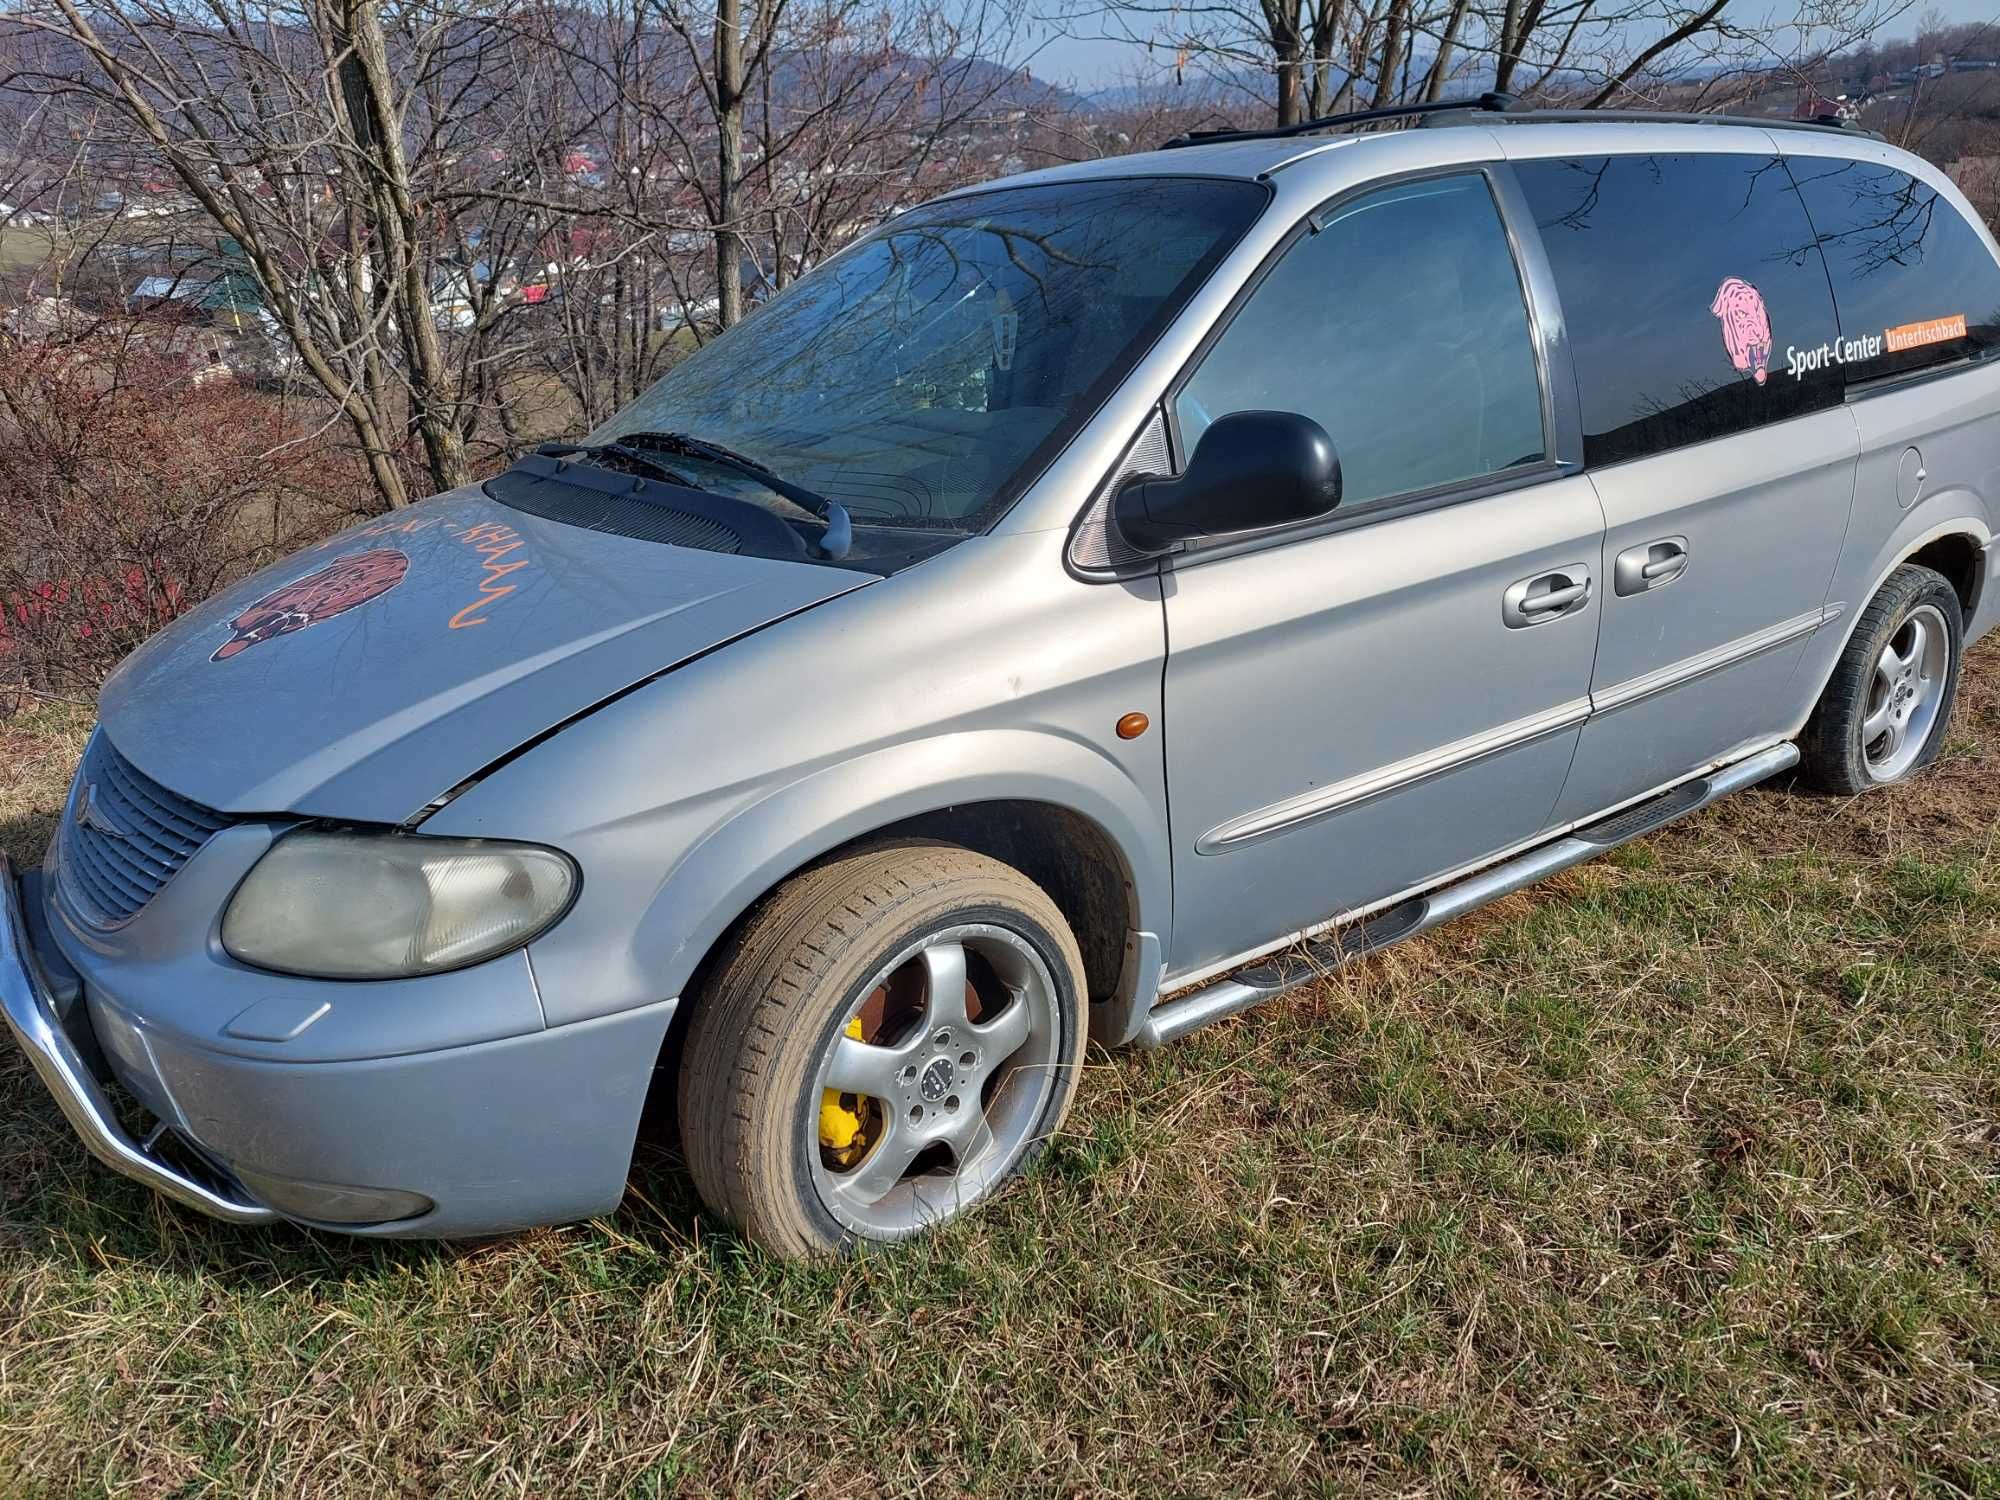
[839, 535]
[624, 452]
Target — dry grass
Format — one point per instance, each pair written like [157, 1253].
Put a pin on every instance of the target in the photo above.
[26, 248]
[1677, 1175]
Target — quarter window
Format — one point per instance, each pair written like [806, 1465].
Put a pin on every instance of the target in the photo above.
[1915, 283]
[1399, 326]
[1692, 293]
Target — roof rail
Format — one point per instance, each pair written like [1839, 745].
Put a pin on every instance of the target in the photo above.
[1680, 117]
[1505, 109]
[1488, 102]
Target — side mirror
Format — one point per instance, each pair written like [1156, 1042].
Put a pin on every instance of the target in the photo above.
[1250, 471]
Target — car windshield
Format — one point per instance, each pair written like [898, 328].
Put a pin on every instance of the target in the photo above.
[924, 376]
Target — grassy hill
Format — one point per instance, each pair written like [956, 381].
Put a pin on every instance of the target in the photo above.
[1677, 1175]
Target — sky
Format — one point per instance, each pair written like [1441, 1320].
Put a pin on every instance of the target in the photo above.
[1086, 63]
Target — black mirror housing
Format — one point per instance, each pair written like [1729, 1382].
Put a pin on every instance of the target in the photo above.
[1252, 470]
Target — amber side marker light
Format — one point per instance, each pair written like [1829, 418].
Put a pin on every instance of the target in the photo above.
[1132, 726]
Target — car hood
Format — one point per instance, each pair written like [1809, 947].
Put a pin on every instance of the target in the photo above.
[371, 674]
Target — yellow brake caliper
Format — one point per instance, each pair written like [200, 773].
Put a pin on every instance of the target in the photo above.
[840, 1117]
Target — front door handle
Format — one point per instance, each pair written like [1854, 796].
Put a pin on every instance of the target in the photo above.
[1545, 597]
[1649, 565]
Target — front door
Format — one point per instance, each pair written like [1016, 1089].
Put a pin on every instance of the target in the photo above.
[1714, 431]
[1395, 692]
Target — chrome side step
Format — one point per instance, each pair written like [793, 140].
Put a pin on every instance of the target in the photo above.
[1303, 962]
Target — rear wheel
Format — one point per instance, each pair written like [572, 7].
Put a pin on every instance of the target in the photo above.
[887, 1042]
[1884, 711]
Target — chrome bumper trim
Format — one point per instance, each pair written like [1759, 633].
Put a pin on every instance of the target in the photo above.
[31, 1016]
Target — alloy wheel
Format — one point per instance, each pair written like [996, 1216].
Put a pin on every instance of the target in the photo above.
[1905, 694]
[935, 1086]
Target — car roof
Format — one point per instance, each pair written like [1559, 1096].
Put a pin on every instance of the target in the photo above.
[1251, 156]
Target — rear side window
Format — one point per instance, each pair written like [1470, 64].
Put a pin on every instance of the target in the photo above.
[1400, 327]
[1915, 284]
[1689, 285]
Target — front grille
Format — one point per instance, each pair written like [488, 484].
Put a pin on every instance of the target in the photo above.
[124, 836]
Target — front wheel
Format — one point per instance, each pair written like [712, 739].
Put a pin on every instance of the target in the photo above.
[887, 1041]
[1884, 711]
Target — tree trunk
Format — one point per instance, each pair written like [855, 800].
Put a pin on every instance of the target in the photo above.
[1510, 47]
[1447, 44]
[378, 133]
[1281, 25]
[729, 160]
[1392, 55]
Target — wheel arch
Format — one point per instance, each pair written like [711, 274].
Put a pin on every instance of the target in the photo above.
[1062, 851]
[1962, 560]
[1947, 533]
[1059, 812]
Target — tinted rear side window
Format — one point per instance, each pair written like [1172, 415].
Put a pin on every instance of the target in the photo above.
[1685, 282]
[1915, 284]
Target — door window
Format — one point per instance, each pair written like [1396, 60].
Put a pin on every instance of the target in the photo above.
[1915, 284]
[1400, 327]
[1692, 293]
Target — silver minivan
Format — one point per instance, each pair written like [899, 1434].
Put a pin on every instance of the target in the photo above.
[1086, 607]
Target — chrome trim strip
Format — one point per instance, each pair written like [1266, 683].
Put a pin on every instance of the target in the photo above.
[1445, 899]
[30, 1015]
[1175, 984]
[1728, 654]
[1307, 807]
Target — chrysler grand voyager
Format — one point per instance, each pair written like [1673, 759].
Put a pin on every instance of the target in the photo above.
[1088, 606]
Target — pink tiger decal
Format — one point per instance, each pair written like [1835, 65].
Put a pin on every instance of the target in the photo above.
[1746, 327]
[320, 595]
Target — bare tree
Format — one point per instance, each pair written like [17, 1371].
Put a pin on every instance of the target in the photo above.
[1306, 58]
[292, 130]
[838, 108]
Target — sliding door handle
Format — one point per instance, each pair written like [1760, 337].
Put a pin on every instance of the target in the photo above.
[1562, 598]
[1649, 565]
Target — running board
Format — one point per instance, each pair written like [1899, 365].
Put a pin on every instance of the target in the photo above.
[1304, 962]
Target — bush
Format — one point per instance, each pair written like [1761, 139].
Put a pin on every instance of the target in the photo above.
[133, 491]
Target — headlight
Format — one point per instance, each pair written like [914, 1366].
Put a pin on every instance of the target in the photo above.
[346, 905]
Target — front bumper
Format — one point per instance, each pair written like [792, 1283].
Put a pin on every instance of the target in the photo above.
[30, 1009]
[497, 1134]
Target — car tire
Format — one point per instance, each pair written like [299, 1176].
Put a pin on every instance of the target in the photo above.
[834, 1093]
[1882, 717]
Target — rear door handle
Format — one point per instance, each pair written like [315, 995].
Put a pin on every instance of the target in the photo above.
[1649, 565]
[1545, 597]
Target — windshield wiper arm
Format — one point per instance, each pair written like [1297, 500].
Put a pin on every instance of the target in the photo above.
[839, 535]
[622, 451]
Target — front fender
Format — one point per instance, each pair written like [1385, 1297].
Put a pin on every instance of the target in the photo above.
[753, 851]
[646, 918]
[982, 676]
